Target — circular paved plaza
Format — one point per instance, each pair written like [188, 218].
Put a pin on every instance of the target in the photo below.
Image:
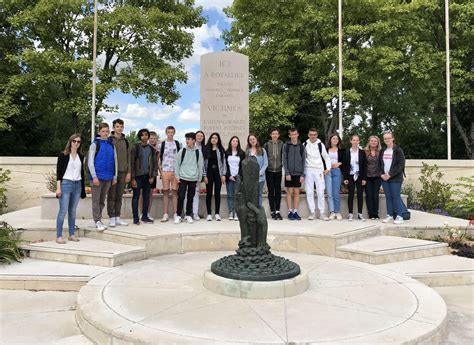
[163, 300]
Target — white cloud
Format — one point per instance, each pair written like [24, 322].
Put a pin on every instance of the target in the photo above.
[190, 114]
[202, 44]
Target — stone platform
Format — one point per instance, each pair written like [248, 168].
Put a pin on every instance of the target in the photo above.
[50, 205]
[162, 300]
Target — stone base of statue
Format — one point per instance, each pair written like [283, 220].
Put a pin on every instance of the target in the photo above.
[255, 264]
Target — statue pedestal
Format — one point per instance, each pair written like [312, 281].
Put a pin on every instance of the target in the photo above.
[256, 289]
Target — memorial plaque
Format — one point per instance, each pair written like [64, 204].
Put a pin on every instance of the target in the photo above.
[225, 95]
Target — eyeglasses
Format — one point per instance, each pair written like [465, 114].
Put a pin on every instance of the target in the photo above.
[76, 141]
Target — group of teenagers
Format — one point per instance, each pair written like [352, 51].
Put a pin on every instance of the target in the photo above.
[112, 162]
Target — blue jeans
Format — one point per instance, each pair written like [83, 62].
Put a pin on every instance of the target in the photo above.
[142, 183]
[393, 197]
[70, 195]
[230, 185]
[260, 192]
[333, 189]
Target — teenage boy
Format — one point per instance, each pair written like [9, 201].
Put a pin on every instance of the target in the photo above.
[144, 168]
[168, 151]
[102, 164]
[293, 161]
[153, 141]
[274, 148]
[317, 165]
[114, 196]
[188, 170]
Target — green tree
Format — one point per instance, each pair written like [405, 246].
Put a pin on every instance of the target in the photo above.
[47, 46]
[394, 67]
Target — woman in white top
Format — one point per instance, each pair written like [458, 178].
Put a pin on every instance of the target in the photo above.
[70, 186]
[234, 156]
[334, 178]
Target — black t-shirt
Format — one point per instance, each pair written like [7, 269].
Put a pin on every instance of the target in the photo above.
[212, 158]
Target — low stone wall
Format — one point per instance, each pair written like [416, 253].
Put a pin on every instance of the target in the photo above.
[50, 205]
[28, 180]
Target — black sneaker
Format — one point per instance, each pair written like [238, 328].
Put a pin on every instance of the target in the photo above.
[278, 216]
[147, 220]
[273, 215]
[136, 222]
[296, 216]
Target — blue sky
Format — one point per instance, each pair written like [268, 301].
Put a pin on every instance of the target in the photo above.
[184, 114]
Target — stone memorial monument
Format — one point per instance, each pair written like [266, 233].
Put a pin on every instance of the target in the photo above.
[225, 95]
[253, 260]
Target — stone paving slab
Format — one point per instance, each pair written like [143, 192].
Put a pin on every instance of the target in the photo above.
[88, 251]
[384, 249]
[444, 270]
[34, 274]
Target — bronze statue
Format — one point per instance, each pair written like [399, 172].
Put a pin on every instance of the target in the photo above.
[253, 260]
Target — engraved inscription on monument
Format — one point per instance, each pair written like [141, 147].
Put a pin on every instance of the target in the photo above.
[225, 95]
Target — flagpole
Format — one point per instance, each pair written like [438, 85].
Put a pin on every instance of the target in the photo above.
[94, 71]
[339, 17]
[448, 79]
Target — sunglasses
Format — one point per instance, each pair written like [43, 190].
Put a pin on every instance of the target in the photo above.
[76, 141]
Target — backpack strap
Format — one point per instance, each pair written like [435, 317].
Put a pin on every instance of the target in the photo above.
[162, 149]
[197, 156]
[178, 145]
[97, 148]
[320, 147]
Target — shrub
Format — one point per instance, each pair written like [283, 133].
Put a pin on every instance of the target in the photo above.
[409, 190]
[9, 241]
[51, 181]
[4, 178]
[433, 194]
[462, 206]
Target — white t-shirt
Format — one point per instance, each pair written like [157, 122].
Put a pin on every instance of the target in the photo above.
[355, 164]
[233, 164]
[387, 160]
[333, 156]
[73, 170]
[169, 156]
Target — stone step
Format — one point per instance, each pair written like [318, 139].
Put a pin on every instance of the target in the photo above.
[74, 340]
[384, 249]
[443, 270]
[34, 274]
[88, 251]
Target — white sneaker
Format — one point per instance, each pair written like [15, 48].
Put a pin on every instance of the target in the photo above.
[189, 219]
[389, 219]
[398, 220]
[360, 216]
[165, 218]
[350, 217]
[120, 222]
[150, 217]
[196, 216]
[338, 216]
[231, 216]
[217, 217]
[235, 217]
[112, 222]
[332, 216]
[209, 217]
[312, 216]
[99, 226]
[324, 217]
[177, 219]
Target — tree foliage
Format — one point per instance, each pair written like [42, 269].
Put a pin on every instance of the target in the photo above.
[46, 70]
[394, 67]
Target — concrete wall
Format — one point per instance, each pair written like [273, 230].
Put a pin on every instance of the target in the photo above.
[28, 180]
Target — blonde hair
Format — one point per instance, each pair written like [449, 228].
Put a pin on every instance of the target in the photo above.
[367, 147]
